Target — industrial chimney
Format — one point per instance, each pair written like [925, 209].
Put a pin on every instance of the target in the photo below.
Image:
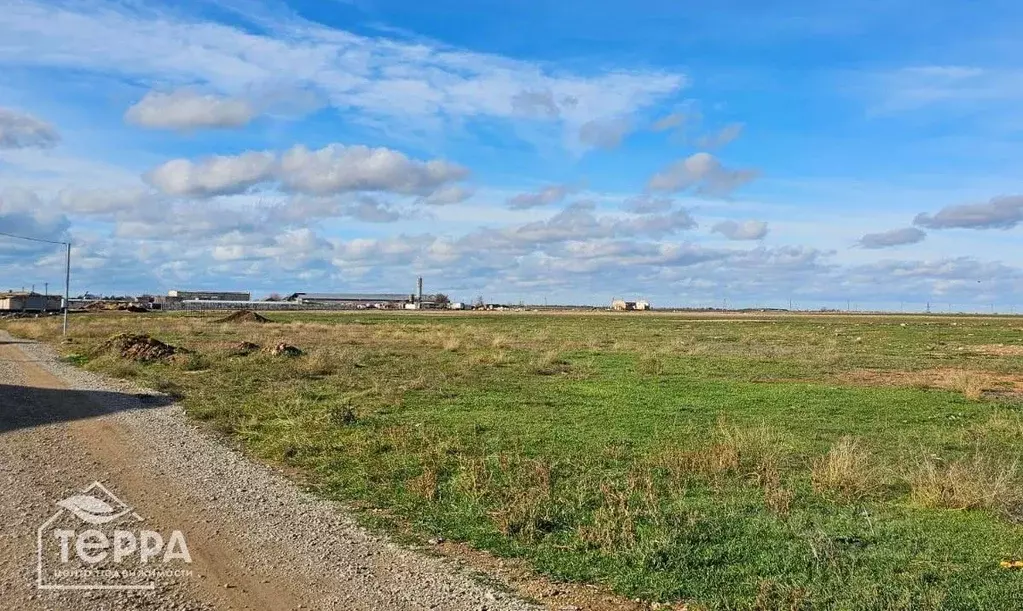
[420, 286]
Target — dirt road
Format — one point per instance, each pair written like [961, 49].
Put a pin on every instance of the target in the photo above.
[254, 540]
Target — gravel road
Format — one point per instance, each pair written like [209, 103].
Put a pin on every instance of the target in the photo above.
[255, 540]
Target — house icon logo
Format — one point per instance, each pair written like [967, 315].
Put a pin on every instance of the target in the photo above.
[95, 541]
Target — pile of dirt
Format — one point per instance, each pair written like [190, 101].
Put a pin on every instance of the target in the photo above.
[282, 350]
[139, 347]
[243, 316]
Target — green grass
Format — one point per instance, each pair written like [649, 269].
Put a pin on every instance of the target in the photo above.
[725, 463]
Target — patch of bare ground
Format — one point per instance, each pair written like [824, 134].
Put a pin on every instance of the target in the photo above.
[998, 349]
[972, 384]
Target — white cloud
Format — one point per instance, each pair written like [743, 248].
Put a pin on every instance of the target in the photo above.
[337, 168]
[332, 170]
[218, 175]
[726, 135]
[745, 230]
[604, 133]
[187, 109]
[22, 130]
[670, 121]
[545, 196]
[444, 196]
[647, 204]
[999, 213]
[895, 237]
[702, 172]
[415, 85]
[915, 87]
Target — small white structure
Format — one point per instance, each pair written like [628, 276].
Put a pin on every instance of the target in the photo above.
[456, 306]
[620, 305]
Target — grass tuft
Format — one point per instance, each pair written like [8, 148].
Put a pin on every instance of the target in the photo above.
[847, 471]
[975, 482]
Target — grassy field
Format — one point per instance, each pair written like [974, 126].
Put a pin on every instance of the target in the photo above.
[729, 462]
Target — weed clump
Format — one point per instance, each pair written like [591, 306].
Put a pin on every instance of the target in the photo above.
[975, 482]
[847, 470]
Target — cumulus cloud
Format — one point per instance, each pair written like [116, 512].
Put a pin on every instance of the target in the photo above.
[21, 130]
[218, 175]
[551, 194]
[745, 230]
[187, 109]
[895, 237]
[332, 170]
[726, 135]
[337, 168]
[604, 134]
[371, 210]
[703, 173]
[998, 213]
[647, 204]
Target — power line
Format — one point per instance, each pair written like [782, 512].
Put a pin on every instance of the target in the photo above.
[67, 270]
[21, 237]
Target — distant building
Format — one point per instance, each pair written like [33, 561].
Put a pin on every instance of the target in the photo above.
[209, 295]
[620, 305]
[30, 302]
[385, 300]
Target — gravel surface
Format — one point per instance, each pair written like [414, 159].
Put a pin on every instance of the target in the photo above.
[262, 542]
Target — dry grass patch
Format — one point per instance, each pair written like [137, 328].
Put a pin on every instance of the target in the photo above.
[998, 349]
[847, 470]
[524, 501]
[971, 384]
[976, 482]
[745, 451]
[549, 363]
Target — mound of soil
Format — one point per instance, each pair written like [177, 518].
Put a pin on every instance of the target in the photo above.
[139, 347]
[283, 350]
[243, 316]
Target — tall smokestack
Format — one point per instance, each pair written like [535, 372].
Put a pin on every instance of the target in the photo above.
[420, 285]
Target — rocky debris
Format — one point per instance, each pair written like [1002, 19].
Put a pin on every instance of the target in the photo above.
[282, 349]
[139, 347]
[243, 316]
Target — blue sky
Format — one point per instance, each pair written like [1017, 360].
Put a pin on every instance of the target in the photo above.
[819, 152]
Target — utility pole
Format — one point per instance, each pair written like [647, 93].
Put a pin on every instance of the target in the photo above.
[67, 285]
[67, 269]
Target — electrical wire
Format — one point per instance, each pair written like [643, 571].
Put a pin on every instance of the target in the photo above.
[21, 237]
